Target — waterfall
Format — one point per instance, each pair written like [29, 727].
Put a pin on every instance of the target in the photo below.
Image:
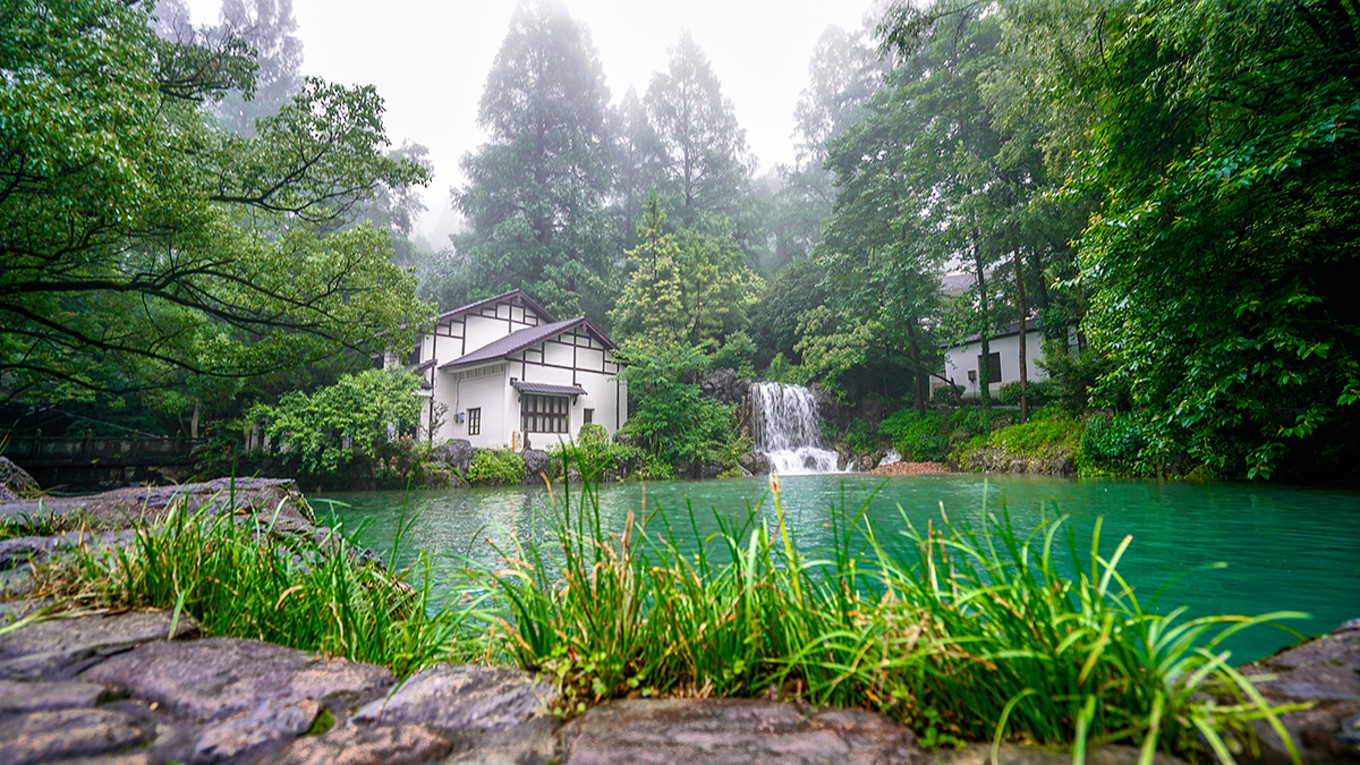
[784, 425]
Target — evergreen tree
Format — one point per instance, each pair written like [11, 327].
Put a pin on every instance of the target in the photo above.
[536, 190]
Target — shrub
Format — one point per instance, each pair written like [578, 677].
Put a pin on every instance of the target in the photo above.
[1115, 444]
[495, 467]
[1074, 377]
[1041, 393]
[947, 394]
[920, 437]
[737, 352]
[782, 370]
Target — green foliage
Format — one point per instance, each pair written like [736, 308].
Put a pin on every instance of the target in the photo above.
[918, 437]
[668, 417]
[1075, 377]
[145, 247]
[688, 288]
[736, 352]
[344, 431]
[1002, 648]
[495, 467]
[1220, 263]
[1117, 445]
[782, 370]
[1039, 393]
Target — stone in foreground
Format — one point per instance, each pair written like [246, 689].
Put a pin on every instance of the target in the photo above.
[59, 648]
[461, 697]
[721, 731]
[217, 678]
[1326, 673]
[66, 733]
[387, 745]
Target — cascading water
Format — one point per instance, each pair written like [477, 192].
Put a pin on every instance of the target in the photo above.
[784, 425]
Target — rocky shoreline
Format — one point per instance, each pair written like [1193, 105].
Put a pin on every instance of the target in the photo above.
[141, 686]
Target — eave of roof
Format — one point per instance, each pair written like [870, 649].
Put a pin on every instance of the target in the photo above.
[525, 338]
[1031, 325]
[513, 295]
[533, 387]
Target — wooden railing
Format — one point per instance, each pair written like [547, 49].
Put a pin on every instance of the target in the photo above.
[33, 449]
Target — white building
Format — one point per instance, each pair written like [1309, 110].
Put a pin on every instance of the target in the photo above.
[963, 362]
[501, 369]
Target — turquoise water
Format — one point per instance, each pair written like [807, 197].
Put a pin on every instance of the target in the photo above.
[1215, 548]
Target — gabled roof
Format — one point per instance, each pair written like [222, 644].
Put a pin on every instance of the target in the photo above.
[513, 296]
[524, 338]
[1031, 325]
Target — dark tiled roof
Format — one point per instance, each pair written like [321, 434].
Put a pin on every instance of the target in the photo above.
[521, 339]
[1011, 329]
[533, 387]
[513, 295]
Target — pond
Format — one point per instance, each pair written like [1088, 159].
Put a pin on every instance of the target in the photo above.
[1214, 548]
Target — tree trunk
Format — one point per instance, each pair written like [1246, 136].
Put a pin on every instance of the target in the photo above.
[1020, 300]
[915, 347]
[984, 363]
[193, 421]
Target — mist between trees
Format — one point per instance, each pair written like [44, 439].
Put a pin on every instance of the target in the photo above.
[190, 227]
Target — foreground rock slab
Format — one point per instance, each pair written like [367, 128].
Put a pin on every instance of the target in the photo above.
[60, 648]
[1326, 674]
[721, 731]
[1010, 754]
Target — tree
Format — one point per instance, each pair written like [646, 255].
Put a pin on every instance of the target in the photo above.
[638, 164]
[1221, 142]
[269, 28]
[141, 243]
[535, 193]
[707, 165]
[690, 288]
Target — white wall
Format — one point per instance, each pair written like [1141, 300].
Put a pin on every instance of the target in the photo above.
[960, 360]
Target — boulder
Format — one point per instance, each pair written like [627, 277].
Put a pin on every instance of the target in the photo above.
[1325, 673]
[537, 466]
[59, 648]
[755, 463]
[457, 454]
[15, 482]
[218, 678]
[461, 697]
[721, 731]
[396, 745]
[723, 386]
[49, 736]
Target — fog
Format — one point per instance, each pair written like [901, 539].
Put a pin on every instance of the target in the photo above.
[430, 60]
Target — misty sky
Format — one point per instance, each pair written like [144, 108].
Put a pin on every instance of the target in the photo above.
[429, 61]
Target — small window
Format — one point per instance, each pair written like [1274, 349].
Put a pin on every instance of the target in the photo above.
[588, 416]
[993, 367]
[474, 421]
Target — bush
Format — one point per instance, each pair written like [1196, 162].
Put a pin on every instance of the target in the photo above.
[737, 352]
[1074, 377]
[1041, 393]
[1114, 444]
[947, 394]
[920, 437]
[495, 467]
[782, 370]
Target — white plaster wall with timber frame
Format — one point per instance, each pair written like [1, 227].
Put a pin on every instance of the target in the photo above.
[960, 360]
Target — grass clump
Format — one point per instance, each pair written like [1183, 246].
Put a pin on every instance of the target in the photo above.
[237, 577]
[962, 634]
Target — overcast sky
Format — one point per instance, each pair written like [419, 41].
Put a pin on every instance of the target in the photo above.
[429, 61]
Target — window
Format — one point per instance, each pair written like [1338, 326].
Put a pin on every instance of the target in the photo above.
[474, 421]
[542, 414]
[993, 367]
[588, 416]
